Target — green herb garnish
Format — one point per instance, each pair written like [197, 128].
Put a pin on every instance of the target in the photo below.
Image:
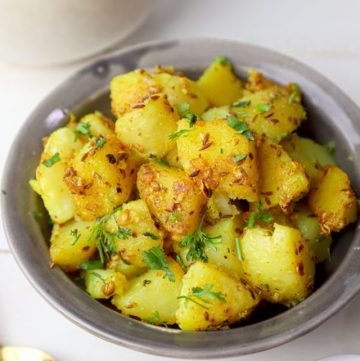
[184, 112]
[91, 265]
[151, 235]
[241, 103]
[240, 126]
[239, 252]
[197, 241]
[294, 93]
[221, 59]
[331, 147]
[239, 158]
[100, 142]
[320, 239]
[263, 107]
[181, 262]
[154, 319]
[104, 239]
[75, 233]
[203, 296]
[52, 160]
[155, 259]
[259, 216]
[178, 134]
[82, 129]
[174, 217]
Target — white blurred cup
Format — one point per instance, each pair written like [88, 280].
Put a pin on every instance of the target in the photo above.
[45, 32]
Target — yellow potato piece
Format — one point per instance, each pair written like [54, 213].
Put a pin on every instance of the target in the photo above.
[219, 158]
[234, 301]
[146, 129]
[279, 263]
[49, 179]
[282, 180]
[152, 294]
[172, 197]
[100, 177]
[332, 200]
[220, 84]
[70, 244]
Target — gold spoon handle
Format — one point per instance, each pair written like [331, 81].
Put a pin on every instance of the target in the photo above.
[8, 353]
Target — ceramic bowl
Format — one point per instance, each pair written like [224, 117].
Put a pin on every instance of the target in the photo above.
[332, 116]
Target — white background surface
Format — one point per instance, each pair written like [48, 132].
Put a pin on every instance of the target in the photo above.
[323, 34]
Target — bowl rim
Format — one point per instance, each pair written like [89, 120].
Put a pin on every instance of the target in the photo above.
[132, 341]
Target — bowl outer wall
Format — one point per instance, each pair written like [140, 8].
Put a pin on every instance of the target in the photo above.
[338, 113]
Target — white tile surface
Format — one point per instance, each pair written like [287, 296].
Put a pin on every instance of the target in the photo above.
[322, 33]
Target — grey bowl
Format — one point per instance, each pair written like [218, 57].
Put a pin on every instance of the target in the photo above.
[332, 116]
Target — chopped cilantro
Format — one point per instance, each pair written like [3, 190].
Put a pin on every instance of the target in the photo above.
[174, 217]
[151, 235]
[178, 134]
[240, 126]
[263, 107]
[184, 112]
[52, 160]
[203, 296]
[181, 262]
[197, 241]
[239, 252]
[221, 59]
[331, 147]
[91, 264]
[75, 233]
[294, 93]
[100, 141]
[259, 216]
[239, 158]
[155, 259]
[154, 319]
[241, 103]
[82, 129]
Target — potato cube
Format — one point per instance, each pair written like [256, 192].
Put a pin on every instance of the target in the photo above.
[219, 158]
[332, 200]
[100, 177]
[282, 180]
[146, 129]
[172, 197]
[279, 263]
[70, 244]
[212, 299]
[220, 84]
[151, 296]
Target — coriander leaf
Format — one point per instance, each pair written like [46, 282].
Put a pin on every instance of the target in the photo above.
[154, 319]
[123, 232]
[251, 220]
[221, 59]
[294, 93]
[181, 262]
[203, 296]
[241, 103]
[239, 158]
[83, 129]
[184, 112]
[75, 233]
[174, 217]
[183, 108]
[331, 147]
[155, 259]
[320, 239]
[240, 126]
[91, 264]
[197, 241]
[162, 162]
[52, 160]
[239, 252]
[178, 134]
[263, 107]
[100, 142]
[151, 235]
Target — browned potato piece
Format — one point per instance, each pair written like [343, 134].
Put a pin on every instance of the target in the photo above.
[282, 180]
[277, 263]
[180, 89]
[100, 177]
[146, 129]
[332, 200]
[218, 157]
[130, 89]
[70, 245]
[257, 81]
[219, 83]
[172, 197]
[211, 299]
